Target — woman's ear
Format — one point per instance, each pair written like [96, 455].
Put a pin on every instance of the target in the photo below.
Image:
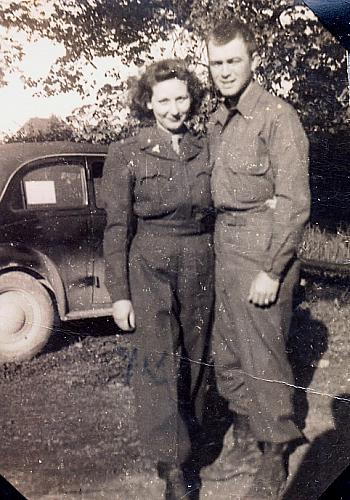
[149, 106]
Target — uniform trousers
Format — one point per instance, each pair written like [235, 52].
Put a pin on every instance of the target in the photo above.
[172, 280]
[251, 365]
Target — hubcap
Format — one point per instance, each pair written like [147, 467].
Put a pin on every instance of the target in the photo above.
[12, 314]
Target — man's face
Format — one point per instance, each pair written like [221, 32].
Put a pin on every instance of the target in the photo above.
[231, 66]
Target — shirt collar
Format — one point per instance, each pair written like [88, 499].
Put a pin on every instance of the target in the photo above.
[167, 134]
[245, 105]
[158, 143]
[151, 136]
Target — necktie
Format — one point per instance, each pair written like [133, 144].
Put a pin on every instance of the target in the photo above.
[231, 113]
[175, 143]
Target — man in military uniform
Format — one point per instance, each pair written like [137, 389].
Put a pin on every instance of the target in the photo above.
[261, 192]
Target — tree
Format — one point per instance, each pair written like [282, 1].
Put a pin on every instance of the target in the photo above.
[43, 129]
[300, 59]
[89, 29]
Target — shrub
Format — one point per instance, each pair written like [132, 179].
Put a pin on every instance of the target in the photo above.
[325, 246]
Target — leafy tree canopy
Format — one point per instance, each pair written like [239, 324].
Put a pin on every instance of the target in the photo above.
[300, 59]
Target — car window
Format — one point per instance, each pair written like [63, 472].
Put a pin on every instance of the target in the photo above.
[62, 185]
[96, 166]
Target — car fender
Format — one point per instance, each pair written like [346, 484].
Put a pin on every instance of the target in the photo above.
[18, 257]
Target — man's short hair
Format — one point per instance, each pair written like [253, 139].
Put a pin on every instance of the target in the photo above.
[228, 29]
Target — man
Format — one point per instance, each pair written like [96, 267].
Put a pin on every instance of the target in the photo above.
[261, 191]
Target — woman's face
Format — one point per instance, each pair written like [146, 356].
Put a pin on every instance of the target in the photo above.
[170, 103]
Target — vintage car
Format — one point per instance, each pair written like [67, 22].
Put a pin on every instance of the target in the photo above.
[52, 223]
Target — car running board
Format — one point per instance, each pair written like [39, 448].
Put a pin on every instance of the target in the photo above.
[90, 313]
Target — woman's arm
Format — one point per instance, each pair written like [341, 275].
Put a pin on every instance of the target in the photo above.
[117, 192]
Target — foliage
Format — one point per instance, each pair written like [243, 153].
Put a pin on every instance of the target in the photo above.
[43, 129]
[90, 29]
[300, 60]
[107, 120]
[326, 246]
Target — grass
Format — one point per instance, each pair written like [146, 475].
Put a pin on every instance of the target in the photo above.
[326, 246]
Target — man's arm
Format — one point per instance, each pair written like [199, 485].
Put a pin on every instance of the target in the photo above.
[289, 156]
[288, 152]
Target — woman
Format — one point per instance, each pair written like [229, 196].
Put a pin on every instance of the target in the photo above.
[159, 265]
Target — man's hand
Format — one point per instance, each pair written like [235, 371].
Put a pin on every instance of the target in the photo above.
[124, 315]
[263, 290]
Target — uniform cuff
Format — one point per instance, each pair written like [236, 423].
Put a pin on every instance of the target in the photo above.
[118, 289]
[273, 275]
[271, 272]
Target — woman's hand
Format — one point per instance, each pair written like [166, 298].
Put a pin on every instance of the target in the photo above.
[124, 315]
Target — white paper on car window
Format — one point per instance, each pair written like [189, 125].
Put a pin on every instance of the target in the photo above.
[40, 192]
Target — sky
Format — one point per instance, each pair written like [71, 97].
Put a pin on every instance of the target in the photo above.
[18, 104]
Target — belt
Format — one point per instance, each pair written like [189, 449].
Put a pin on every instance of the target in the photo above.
[239, 218]
[172, 227]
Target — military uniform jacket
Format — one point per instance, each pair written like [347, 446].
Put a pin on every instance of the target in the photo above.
[260, 154]
[144, 178]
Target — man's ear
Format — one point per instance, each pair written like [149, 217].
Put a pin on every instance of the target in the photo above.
[149, 106]
[256, 61]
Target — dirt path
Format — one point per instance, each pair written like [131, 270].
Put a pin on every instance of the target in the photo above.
[67, 429]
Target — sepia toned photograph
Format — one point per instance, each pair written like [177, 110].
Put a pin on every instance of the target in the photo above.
[174, 249]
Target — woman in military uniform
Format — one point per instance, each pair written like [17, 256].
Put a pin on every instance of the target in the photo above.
[159, 266]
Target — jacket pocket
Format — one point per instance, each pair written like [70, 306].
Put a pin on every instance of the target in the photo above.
[152, 184]
[253, 157]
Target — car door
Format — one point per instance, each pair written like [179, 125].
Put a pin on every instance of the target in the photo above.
[53, 217]
[100, 295]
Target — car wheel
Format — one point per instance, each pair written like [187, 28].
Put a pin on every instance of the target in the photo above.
[26, 316]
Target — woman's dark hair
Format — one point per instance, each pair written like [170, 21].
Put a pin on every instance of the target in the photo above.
[229, 29]
[141, 89]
